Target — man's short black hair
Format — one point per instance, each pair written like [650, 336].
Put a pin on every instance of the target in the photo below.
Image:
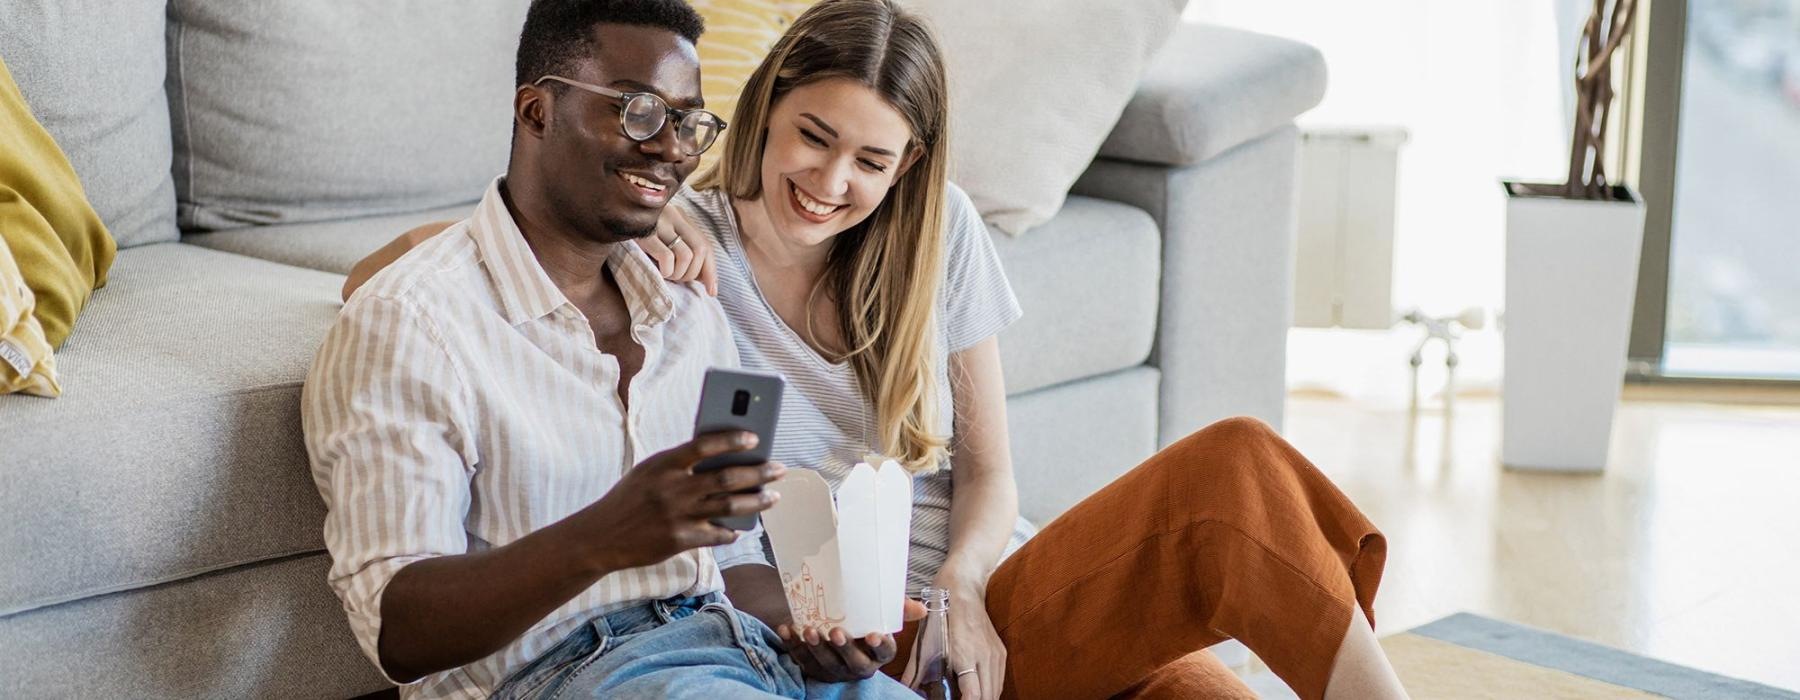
[558, 33]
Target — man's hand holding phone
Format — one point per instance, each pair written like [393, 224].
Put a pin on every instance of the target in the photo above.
[734, 400]
[662, 507]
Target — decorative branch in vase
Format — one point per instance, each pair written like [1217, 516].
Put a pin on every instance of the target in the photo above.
[1607, 26]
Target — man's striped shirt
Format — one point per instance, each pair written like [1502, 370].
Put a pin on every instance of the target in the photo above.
[460, 403]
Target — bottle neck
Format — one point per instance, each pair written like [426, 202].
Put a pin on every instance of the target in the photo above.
[935, 599]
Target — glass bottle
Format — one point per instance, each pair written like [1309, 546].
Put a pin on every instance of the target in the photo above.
[928, 671]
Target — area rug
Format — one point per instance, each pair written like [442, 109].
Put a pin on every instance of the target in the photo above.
[1470, 656]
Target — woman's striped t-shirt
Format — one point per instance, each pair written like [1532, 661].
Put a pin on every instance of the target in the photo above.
[827, 424]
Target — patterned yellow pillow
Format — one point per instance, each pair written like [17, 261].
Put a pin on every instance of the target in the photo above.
[26, 363]
[738, 36]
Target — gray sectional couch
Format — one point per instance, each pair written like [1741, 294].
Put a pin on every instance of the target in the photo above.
[162, 535]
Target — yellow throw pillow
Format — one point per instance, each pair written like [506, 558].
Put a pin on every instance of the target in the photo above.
[58, 243]
[739, 34]
[26, 364]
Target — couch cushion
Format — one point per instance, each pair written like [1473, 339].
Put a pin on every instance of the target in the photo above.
[93, 74]
[332, 246]
[1212, 88]
[307, 111]
[175, 448]
[1071, 439]
[1035, 88]
[1088, 282]
[272, 630]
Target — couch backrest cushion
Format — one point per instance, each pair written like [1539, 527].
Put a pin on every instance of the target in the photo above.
[92, 71]
[1035, 87]
[287, 112]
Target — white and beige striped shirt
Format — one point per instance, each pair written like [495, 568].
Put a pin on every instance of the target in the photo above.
[460, 403]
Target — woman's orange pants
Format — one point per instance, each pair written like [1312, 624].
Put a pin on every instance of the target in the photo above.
[1229, 533]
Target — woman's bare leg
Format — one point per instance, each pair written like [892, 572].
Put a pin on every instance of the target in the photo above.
[1361, 668]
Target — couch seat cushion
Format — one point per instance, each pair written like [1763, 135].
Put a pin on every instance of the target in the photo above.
[332, 246]
[175, 448]
[1088, 280]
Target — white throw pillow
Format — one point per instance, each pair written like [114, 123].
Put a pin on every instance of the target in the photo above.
[1035, 88]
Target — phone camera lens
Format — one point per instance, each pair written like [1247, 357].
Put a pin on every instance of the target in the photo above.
[740, 403]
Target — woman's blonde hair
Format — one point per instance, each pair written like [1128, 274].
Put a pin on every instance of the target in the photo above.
[885, 271]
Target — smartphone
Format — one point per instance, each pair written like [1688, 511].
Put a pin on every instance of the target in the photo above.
[739, 400]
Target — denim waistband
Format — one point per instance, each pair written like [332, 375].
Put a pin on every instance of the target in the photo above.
[588, 639]
[651, 614]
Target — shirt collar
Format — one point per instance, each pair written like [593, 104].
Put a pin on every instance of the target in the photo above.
[646, 292]
[526, 292]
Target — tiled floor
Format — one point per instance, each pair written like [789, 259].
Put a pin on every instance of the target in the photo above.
[1687, 549]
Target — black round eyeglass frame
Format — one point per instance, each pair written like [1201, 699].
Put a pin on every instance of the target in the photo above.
[686, 132]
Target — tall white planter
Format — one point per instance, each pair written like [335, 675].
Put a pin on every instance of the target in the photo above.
[1571, 278]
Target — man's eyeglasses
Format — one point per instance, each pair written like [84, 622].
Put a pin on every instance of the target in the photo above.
[643, 116]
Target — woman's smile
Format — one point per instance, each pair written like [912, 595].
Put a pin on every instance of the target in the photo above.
[811, 208]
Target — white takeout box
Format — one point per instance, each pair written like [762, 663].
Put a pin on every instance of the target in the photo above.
[843, 563]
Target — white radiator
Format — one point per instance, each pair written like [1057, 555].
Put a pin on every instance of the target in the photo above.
[1344, 260]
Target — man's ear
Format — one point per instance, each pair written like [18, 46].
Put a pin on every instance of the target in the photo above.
[531, 110]
[913, 154]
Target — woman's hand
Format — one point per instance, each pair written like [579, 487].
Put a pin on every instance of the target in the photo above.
[973, 642]
[682, 252]
[387, 254]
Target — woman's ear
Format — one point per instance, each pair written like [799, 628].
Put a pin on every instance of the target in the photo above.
[913, 154]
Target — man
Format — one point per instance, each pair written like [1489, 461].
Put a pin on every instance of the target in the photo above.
[498, 422]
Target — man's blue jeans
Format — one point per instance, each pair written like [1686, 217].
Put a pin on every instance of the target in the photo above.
[678, 648]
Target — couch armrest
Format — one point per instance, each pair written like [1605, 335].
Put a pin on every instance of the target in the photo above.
[1212, 88]
[1226, 296]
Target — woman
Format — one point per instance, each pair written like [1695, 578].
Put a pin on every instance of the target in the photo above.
[845, 261]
